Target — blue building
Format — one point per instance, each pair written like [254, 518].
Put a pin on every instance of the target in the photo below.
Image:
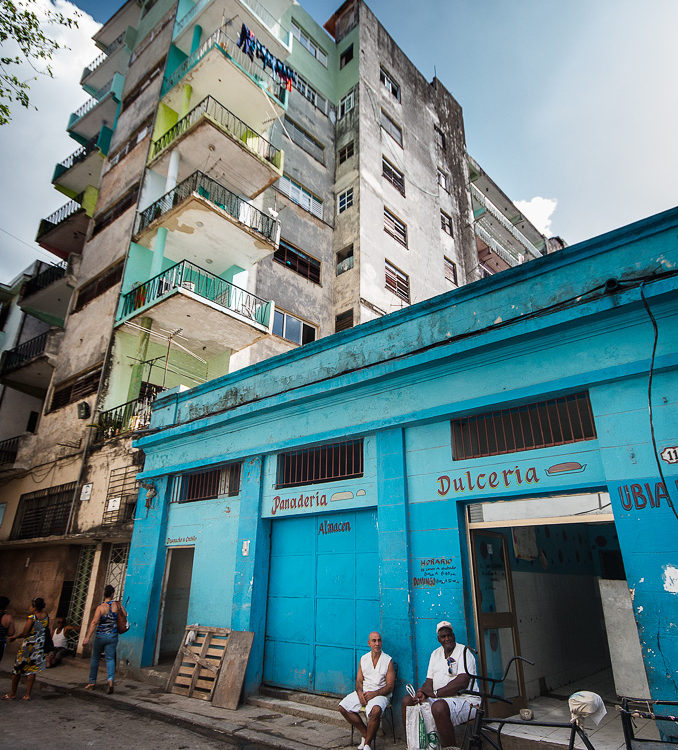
[502, 456]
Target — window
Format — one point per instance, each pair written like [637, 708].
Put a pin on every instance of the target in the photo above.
[298, 261]
[389, 84]
[439, 137]
[396, 228]
[343, 321]
[347, 104]
[345, 200]
[44, 512]
[307, 91]
[75, 389]
[393, 175]
[323, 463]
[309, 43]
[220, 481]
[121, 496]
[345, 259]
[391, 128]
[541, 424]
[137, 136]
[288, 327]
[346, 152]
[443, 181]
[108, 217]
[451, 271]
[98, 285]
[143, 84]
[398, 282]
[295, 192]
[346, 56]
[446, 223]
[304, 140]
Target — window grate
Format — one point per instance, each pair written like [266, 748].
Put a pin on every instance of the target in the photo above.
[121, 497]
[117, 568]
[44, 512]
[221, 481]
[323, 463]
[85, 385]
[298, 261]
[542, 424]
[98, 285]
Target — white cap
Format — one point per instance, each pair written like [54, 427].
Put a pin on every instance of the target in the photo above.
[443, 624]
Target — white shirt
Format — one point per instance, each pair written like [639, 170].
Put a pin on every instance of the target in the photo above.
[441, 673]
[59, 639]
[374, 677]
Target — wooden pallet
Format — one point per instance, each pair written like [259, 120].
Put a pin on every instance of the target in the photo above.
[197, 665]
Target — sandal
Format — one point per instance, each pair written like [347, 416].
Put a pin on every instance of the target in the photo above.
[90, 686]
[8, 697]
[26, 698]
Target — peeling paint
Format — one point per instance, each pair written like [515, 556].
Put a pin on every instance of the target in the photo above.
[670, 579]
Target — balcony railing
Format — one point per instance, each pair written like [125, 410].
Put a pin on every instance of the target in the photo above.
[43, 279]
[270, 21]
[106, 53]
[8, 450]
[85, 108]
[489, 240]
[222, 197]
[129, 417]
[24, 353]
[80, 155]
[61, 214]
[232, 124]
[186, 275]
[230, 49]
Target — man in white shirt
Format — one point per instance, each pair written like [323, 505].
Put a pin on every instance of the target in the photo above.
[374, 684]
[446, 681]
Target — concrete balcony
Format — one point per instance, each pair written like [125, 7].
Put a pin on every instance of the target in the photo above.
[127, 15]
[209, 310]
[28, 367]
[207, 222]
[262, 21]
[491, 253]
[249, 162]
[218, 68]
[97, 113]
[13, 456]
[125, 419]
[63, 232]
[47, 294]
[79, 170]
[113, 59]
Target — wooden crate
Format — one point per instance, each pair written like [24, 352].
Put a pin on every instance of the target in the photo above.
[197, 665]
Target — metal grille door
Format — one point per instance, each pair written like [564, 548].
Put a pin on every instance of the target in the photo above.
[79, 595]
[117, 568]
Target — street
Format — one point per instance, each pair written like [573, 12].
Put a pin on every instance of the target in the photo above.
[57, 720]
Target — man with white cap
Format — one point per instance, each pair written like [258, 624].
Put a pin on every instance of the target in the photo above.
[446, 680]
[374, 684]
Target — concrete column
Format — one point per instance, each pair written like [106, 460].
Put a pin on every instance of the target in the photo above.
[197, 37]
[394, 570]
[158, 251]
[250, 582]
[140, 355]
[172, 171]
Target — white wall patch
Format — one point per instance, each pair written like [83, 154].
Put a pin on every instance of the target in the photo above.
[670, 578]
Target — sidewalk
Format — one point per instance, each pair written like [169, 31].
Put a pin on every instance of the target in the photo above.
[248, 727]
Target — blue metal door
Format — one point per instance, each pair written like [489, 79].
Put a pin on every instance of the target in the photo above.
[323, 600]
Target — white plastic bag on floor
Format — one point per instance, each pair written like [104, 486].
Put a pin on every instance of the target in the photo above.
[421, 728]
[585, 704]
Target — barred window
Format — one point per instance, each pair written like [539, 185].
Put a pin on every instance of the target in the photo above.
[302, 197]
[346, 152]
[446, 223]
[75, 389]
[396, 228]
[389, 84]
[44, 512]
[392, 128]
[393, 175]
[397, 282]
[298, 261]
[137, 136]
[323, 463]
[206, 484]
[108, 217]
[344, 200]
[542, 424]
[451, 271]
[304, 140]
[346, 104]
[98, 286]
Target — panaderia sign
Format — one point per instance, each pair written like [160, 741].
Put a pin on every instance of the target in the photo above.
[317, 499]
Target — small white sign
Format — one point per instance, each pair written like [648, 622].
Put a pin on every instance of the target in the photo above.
[245, 547]
[113, 503]
[670, 454]
[86, 492]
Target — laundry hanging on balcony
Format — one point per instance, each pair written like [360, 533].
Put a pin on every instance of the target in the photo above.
[252, 47]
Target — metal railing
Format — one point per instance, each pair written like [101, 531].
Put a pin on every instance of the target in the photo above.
[61, 214]
[81, 154]
[9, 449]
[230, 49]
[85, 108]
[489, 240]
[504, 220]
[43, 279]
[231, 123]
[24, 353]
[89, 69]
[186, 275]
[222, 197]
[128, 417]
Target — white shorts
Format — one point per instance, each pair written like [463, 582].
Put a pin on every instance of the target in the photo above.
[462, 708]
[352, 703]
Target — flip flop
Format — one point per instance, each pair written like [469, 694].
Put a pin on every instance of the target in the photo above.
[8, 697]
[26, 698]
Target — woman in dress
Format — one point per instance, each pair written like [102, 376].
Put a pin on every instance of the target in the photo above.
[30, 658]
[105, 622]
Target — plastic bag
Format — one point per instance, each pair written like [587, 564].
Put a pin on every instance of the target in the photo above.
[421, 728]
[583, 704]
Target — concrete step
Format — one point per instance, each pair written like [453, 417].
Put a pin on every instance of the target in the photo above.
[298, 709]
[298, 696]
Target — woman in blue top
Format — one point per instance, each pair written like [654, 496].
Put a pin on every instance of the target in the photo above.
[105, 622]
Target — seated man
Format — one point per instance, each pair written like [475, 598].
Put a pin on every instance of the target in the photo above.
[374, 684]
[446, 679]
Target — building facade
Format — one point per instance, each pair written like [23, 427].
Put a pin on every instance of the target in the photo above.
[247, 182]
[516, 476]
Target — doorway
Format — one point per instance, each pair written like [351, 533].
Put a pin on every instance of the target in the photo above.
[174, 603]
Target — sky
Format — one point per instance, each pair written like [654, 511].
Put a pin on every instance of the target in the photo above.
[571, 107]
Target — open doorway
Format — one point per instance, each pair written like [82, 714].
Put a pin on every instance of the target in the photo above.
[537, 567]
[174, 603]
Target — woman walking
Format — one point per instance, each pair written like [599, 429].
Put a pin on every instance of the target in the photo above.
[30, 658]
[6, 624]
[105, 623]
